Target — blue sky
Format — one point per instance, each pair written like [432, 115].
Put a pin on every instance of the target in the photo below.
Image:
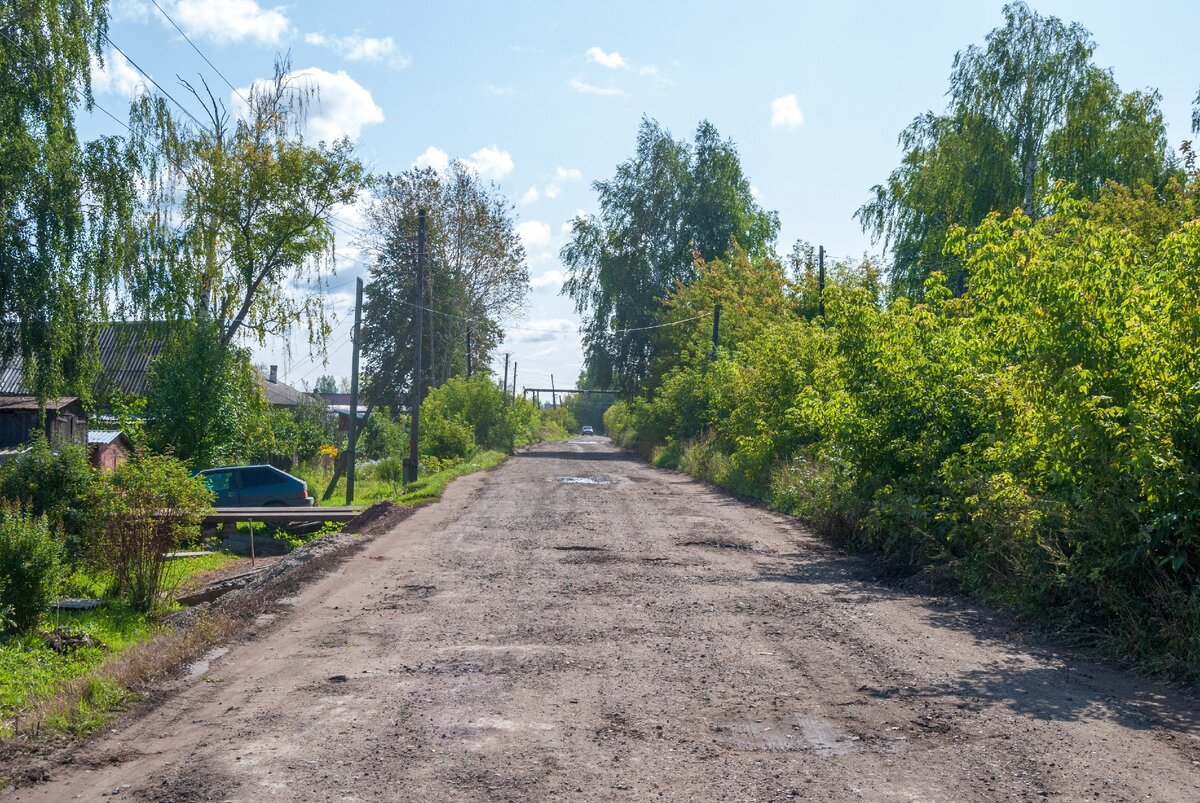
[545, 98]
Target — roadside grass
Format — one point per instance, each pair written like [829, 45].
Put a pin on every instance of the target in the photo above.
[369, 489]
[32, 672]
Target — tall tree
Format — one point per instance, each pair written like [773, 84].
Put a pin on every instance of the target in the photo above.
[669, 203]
[64, 209]
[475, 276]
[240, 210]
[1026, 109]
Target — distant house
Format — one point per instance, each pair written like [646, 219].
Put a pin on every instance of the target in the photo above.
[339, 404]
[20, 420]
[108, 448]
[280, 394]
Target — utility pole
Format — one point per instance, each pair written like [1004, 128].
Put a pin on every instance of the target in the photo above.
[413, 463]
[514, 386]
[352, 426]
[468, 351]
[716, 331]
[553, 395]
[505, 389]
[821, 281]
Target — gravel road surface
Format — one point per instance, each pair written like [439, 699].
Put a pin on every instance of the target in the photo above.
[577, 625]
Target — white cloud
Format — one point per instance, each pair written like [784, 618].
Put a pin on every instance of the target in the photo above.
[490, 162]
[591, 89]
[362, 48]
[500, 91]
[531, 194]
[754, 192]
[231, 20]
[433, 157]
[785, 112]
[562, 175]
[130, 10]
[116, 77]
[340, 108]
[534, 234]
[551, 279]
[612, 61]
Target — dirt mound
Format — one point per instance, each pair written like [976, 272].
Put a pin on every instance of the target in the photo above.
[378, 518]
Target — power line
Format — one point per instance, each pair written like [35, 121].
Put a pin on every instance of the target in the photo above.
[158, 86]
[199, 51]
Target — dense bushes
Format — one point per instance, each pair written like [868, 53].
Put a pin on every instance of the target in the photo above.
[52, 482]
[1040, 434]
[464, 415]
[30, 568]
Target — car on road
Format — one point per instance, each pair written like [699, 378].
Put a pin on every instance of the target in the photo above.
[255, 486]
[587, 431]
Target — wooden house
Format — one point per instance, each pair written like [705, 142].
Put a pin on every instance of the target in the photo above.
[20, 419]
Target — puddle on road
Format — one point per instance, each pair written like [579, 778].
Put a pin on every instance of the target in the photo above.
[584, 480]
[800, 733]
[197, 669]
[585, 443]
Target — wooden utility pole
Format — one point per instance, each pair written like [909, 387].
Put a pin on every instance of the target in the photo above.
[716, 331]
[412, 464]
[821, 281]
[553, 395]
[505, 388]
[352, 426]
[468, 351]
[514, 385]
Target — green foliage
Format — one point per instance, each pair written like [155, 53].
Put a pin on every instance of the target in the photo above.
[146, 508]
[238, 212]
[65, 210]
[383, 435]
[1038, 435]
[465, 414]
[30, 568]
[51, 482]
[667, 204]
[1026, 109]
[204, 402]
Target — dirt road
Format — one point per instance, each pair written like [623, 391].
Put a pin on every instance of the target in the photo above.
[577, 625]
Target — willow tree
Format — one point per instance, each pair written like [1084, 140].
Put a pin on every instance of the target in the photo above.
[64, 208]
[1027, 108]
[238, 224]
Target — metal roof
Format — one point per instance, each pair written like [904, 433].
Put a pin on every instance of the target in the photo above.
[26, 404]
[126, 351]
[103, 436]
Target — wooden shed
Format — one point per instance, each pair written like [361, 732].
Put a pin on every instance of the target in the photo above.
[20, 419]
[108, 448]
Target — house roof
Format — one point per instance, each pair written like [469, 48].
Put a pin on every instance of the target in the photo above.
[126, 351]
[280, 394]
[105, 436]
[29, 404]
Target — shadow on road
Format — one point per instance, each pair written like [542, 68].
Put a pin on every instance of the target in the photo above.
[1040, 681]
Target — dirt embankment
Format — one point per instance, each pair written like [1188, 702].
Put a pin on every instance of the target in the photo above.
[578, 625]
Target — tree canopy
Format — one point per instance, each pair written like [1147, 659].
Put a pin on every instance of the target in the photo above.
[671, 202]
[1026, 109]
[475, 276]
[64, 208]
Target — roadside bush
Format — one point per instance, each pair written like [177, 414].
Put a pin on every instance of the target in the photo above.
[30, 568]
[55, 483]
[146, 508]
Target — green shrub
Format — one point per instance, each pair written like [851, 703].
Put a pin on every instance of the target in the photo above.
[52, 482]
[146, 508]
[30, 567]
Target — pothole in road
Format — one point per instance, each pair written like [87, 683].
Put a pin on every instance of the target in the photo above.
[783, 736]
[584, 480]
[579, 548]
[720, 543]
[200, 667]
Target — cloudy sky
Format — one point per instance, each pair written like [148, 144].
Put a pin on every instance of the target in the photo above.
[545, 97]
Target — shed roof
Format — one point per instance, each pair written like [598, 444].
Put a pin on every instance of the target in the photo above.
[29, 404]
[126, 351]
[105, 436]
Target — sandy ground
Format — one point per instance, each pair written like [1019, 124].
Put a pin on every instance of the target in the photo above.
[577, 625]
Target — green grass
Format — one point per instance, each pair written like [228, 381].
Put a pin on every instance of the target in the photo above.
[368, 489]
[30, 671]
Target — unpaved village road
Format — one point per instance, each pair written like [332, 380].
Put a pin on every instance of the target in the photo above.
[577, 625]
